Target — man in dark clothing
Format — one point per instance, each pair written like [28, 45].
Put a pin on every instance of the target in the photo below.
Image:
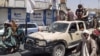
[81, 13]
[95, 23]
[96, 36]
[70, 15]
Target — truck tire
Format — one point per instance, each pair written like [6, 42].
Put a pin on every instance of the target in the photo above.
[58, 50]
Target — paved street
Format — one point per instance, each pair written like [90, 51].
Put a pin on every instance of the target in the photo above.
[23, 52]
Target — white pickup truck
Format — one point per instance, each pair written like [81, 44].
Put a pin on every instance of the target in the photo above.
[60, 36]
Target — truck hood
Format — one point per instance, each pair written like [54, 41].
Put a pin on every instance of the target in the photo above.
[45, 35]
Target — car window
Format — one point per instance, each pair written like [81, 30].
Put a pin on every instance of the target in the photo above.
[59, 27]
[73, 27]
[81, 26]
[28, 26]
[40, 24]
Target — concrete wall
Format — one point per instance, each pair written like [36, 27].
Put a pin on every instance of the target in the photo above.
[39, 16]
[18, 14]
[3, 3]
[3, 15]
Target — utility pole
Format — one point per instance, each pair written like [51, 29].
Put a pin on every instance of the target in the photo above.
[98, 9]
[58, 16]
[58, 9]
[30, 4]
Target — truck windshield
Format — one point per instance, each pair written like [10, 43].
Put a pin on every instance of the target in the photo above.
[58, 27]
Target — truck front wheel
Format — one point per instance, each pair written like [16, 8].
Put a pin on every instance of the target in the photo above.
[59, 50]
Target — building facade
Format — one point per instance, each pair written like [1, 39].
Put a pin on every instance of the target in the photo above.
[15, 10]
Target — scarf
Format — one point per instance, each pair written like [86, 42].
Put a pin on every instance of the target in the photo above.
[85, 50]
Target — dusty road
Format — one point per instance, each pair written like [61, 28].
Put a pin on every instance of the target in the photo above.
[23, 52]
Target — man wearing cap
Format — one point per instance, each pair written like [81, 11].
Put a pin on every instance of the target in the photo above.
[87, 46]
[81, 13]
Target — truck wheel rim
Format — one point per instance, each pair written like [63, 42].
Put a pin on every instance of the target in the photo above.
[59, 52]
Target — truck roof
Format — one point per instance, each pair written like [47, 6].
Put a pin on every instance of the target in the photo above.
[68, 21]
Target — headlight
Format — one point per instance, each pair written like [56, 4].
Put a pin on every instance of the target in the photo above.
[41, 43]
[30, 41]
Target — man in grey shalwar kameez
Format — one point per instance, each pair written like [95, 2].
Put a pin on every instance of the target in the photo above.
[87, 46]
